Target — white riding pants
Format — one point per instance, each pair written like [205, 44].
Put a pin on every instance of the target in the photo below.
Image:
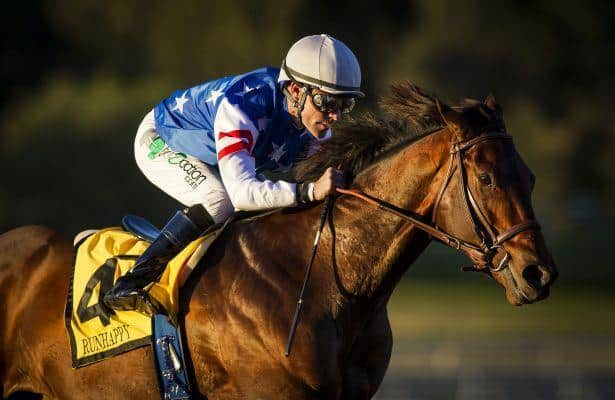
[187, 179]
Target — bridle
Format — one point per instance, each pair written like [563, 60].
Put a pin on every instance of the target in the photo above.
[490, 241]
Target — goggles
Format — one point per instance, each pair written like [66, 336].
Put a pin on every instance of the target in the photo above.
[327, 103]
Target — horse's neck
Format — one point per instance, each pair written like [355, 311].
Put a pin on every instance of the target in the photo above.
[373, 249]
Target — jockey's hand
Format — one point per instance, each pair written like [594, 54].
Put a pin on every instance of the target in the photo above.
[328, 182]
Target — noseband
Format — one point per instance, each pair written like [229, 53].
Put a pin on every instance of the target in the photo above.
[491, 241]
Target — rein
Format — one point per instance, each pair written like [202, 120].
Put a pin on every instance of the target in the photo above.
[491, 242]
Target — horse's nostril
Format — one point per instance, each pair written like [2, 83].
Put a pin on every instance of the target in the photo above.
[534, 275]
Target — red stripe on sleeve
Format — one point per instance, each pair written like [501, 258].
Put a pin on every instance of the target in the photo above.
[233, 148]
[245, 142]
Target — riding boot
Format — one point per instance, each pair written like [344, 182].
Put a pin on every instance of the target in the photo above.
[129, 291]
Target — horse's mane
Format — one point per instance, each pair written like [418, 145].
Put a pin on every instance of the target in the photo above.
[408, 113]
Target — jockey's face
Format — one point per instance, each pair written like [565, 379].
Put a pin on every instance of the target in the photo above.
[315, 121]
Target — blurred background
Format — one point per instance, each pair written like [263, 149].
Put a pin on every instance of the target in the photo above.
[76, 78]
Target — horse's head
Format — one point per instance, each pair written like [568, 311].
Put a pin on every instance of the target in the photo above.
[487, 201]
[481, 201]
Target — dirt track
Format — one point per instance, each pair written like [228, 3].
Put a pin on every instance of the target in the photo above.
[559, 369]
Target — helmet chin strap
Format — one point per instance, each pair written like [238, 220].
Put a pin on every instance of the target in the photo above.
[299, 104]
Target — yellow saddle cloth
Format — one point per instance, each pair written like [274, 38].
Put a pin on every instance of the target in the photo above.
[95, 331]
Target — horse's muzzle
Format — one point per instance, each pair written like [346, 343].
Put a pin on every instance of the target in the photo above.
[539, 276]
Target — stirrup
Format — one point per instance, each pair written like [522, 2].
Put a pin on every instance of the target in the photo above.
[138, 300]
[146, 304]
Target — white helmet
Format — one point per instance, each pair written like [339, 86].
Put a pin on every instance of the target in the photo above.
[323, 62]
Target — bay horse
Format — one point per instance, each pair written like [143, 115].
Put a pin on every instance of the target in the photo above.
[451, 168]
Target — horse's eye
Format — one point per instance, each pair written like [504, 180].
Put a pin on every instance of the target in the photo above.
[485, 179]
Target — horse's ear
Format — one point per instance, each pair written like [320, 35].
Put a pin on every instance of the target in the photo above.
[497, 111]
[493, 105]
[453, 120]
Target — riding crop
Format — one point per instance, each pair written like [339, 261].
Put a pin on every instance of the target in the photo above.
[293, 327]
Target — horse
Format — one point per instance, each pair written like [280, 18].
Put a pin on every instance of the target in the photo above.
[434, 171]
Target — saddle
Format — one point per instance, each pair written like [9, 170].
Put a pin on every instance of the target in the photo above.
[97, 332]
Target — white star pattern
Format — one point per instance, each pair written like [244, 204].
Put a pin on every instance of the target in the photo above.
[278, 152]
[246, 89]
[179, 103]
[213, 96]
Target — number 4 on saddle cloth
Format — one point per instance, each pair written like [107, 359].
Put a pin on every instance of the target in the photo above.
[97, 332]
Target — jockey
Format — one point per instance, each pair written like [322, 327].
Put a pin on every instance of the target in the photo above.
[210, 146]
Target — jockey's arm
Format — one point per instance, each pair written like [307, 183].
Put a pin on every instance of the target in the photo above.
[246, 191]
[236, 137]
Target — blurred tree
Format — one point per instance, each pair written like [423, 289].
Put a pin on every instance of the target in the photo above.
[542, 57]
[77, 77]
[27, 55]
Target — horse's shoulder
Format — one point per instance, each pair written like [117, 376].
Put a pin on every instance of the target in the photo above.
[31, 229]
[31, 234]
[30, 239]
